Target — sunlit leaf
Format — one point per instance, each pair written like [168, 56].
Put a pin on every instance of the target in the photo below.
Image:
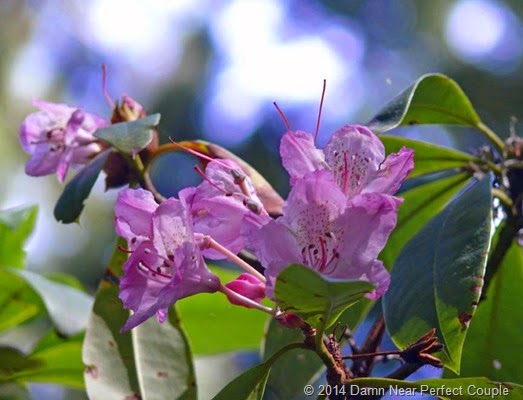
[15, 227]
[71, 202]
[495, 330]
[432, 99]
[437, 278]
[319, 301]
[130, 137]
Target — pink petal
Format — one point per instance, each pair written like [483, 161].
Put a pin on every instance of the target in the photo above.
[171, 227]
[365, 227]
[354, 153]
[300, 155]
[392, 173]
[133, 211]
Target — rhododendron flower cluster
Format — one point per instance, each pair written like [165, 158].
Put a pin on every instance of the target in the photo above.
[337, 218]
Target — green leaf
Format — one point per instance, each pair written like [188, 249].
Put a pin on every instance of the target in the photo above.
[58, 362]
[428, 158]
[462, 388]
[18, 301]
[436, 279]
[421, 204]
[298, 367]
[302, 291]
[250, 385]
[432, 99]
[68, 308]
[15, 227]
[212, 315]
[130, 137]
[71, 202]
[495, 330]
[151, 361]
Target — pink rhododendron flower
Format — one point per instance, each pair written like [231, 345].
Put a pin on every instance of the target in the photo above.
[166, 263]
[222, 204]
[355, 156]
[322, 229]
[248, 286]
[58, 137]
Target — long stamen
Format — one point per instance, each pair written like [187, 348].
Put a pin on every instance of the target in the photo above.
[231, 293]
[211, 243]
[320, 109]
[104, 87]
[282, 115]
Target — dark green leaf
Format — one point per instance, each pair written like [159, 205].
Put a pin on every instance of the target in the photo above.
[69, 308]
[461, 388]
[428, 158]
[15, 227]
[71, 202]
[151, 361]
[250, 385]
[212, 315]
[421, 204]
[130, 137]
[298, 367]
[432, 99]
[495, 335]
[319, 301]
[436, 279]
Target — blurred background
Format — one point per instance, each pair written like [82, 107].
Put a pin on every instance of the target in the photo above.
[212, 68]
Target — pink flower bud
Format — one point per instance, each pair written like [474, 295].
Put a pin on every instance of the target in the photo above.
[248, 286]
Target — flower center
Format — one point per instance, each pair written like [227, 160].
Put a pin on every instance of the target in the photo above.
[323, 255]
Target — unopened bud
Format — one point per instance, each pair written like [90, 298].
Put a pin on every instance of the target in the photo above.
[248, 286]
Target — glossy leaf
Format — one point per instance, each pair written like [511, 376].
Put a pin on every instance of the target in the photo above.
[421, 204]
[68, 308]
[428, 158]
[130, 137]
[250, 385]
[319, 301]
[270, 199]
[15, 227]
[151, 361]
[495, 330]
[213, 316]
[461, 388]
[437, 278]
[71, 202]
[432, 99]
